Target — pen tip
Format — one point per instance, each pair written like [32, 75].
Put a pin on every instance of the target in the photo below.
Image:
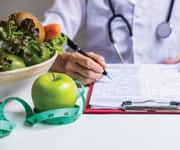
[109, 77]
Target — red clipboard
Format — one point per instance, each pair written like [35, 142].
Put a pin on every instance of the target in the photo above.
[89, 110]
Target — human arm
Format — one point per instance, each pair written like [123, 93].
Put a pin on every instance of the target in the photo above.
[174, 60]
[80, 67]
[70, 15]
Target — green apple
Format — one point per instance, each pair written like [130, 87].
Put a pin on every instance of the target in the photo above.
[53, 91]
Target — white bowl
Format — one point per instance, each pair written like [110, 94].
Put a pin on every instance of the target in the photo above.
[13, 81]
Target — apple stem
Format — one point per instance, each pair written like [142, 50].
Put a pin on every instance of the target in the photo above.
[53, 75]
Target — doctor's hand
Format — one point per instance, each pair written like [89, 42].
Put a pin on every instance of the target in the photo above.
[80, 67]
[174, 60]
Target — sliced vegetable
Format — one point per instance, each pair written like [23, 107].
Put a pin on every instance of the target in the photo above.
[19, 17]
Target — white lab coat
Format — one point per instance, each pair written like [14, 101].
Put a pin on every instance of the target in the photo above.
[143, 15]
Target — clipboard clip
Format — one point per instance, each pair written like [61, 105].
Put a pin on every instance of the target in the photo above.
[150, 106]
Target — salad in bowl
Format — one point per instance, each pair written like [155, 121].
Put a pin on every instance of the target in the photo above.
[27, 49]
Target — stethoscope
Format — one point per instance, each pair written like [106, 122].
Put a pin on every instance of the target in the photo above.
[163, 30]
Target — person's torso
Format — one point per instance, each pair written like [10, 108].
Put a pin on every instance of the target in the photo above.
[144, 17]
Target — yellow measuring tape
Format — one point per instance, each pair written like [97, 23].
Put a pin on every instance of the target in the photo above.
[51, 117]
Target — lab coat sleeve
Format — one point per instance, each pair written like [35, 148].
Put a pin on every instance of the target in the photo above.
[68, 13]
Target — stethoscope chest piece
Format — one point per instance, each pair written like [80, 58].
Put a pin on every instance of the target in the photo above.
[163, 30]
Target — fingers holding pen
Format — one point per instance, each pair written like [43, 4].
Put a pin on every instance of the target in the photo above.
[88, 63]
[79, 67]
[85, 71]
[99, 59]
[77, 76]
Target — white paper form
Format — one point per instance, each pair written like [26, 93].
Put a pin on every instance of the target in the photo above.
[137, 83]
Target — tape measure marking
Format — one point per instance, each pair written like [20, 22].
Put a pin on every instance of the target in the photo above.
[52, 117]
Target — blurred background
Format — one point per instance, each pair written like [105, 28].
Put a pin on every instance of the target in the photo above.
[38, 7]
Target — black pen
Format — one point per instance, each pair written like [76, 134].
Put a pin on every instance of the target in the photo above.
[76, 48]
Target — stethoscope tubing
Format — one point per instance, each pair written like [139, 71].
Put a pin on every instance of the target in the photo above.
[113, 17]
[163, 30]
[170, 11]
